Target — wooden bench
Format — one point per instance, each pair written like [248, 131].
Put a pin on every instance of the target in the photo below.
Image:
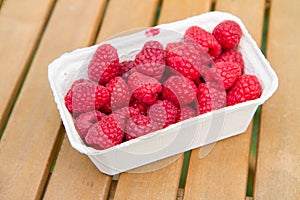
[36, 159]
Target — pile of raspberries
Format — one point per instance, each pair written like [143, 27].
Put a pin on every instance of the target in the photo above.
[161, 86]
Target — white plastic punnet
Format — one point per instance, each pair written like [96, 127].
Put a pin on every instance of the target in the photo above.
[177, 138]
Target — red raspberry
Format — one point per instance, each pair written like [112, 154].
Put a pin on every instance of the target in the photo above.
[138, 126]
[106, 108]
[127, 112]
[232, 55]
[84, 96]
[68, 96]
[79, 81]
[228, 33]
[187, 112]
[204, 39]
[197, 81]
[125, 67]
[187, 59]
[104, 65]
[151, 60]
[123, 114]
[229, 72]
[144, 88]
[85, 120]
[119, 92]
[105, 134]
[164, 113]
[246, 88]
[142, 107]
[210, 98]
[179, 90]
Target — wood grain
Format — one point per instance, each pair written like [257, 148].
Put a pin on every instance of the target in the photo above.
[124, 15]
[173, 10]
[20, 30]
[159, 184]
[76, 177]
[222, 174]
[32, 132]
[278, 164]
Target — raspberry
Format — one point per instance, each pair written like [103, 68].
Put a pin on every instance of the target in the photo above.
[142, 107]
[229, 72]
[123, 114]
[105, 134]
[210, 98]
[187, 59]
[246, 88]
[197, 81]
[119, 92]
[187, 112]
[106, 108]
[144, 88]
[164, 113]
[228, 33]
[179, 90]
[85, 120]
[204, 39]
[151, 60]
[79, 81]
[127, 112]
[104, 65]
[138, 126]
[68, 101]
[232, 55]
[125, 67]
[84, 96]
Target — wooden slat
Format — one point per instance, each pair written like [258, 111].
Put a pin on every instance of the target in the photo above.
[159, 184]
[113, 186]
[222, 174]
[28, 143]
[76, 177]
[21, 23]
[124, 15]
[278, 164]
[163, 183]
[173, 10]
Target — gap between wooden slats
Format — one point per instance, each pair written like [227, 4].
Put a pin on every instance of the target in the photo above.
[1, 1]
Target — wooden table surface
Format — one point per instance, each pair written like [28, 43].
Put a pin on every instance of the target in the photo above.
[36, 159]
